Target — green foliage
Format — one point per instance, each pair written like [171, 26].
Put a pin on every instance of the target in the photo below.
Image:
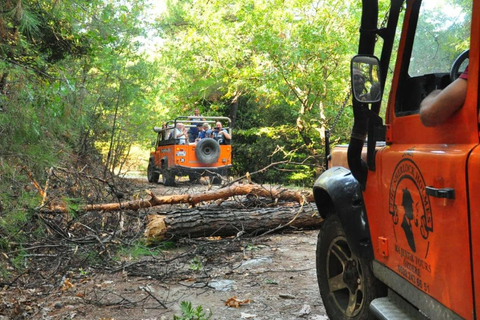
[443, 32]
[140, 249]
[71, 77]
[252, 114]
[256, 148]
[270, 63]
[268, 281]
[196, 264]
[17, 204]
[190, 313]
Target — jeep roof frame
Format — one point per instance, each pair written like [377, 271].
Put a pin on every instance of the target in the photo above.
[171, 124]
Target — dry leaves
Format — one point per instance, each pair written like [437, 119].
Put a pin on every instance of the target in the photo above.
[67, 284]
[233, 302]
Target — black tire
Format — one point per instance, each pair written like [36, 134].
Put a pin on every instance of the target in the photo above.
[168, 178]
[207, 151]
[216, 180]
[347, 284]
[152, 175]
[193, 177]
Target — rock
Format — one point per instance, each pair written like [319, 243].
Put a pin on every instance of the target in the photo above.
[256, 262]
[306, 310]
[221, 285]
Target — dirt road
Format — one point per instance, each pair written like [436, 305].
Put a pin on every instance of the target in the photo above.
[272, 276]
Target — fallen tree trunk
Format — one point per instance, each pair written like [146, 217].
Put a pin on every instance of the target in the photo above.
[207, 222]
[224, 193]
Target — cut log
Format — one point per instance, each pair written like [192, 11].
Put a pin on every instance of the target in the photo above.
[194, 199]
[206, 222]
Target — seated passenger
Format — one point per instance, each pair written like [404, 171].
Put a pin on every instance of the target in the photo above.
[206, 131]
[221, 135]
[200, 131]
[179, 133]
[195, 134]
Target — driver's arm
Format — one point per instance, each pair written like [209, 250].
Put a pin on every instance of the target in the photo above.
[439, 105]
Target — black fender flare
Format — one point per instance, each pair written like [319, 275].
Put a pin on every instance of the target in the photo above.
[337, 191]
[151, 161]
[164, 163]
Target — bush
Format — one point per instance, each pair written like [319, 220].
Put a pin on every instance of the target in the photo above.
[256, 148]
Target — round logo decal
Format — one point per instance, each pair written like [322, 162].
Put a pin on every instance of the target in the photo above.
[409, 207]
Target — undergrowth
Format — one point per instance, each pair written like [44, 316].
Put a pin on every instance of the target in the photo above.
[191, 313]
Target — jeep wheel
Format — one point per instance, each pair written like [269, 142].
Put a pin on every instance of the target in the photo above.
[194, 177]
[216, 179]
[347, 284]
[168, 178]
[152, 175]
[207, 151]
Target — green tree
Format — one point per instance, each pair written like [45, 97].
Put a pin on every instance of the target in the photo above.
[292, 55]
[73, 82]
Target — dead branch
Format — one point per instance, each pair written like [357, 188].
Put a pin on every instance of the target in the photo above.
[155, 298]
[34, 181]
[248, 175]
[193, 200]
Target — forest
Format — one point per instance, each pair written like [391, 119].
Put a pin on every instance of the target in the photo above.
[83, 83]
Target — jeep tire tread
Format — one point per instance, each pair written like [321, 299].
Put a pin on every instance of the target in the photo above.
[347, 284]
[168, 178]
[152, 175]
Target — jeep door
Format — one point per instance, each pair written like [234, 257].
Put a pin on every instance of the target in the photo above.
[420, 221]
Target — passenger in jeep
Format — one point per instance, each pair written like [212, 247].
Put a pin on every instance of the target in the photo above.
[439, 105]
[193, 132]
[196, 137]
[206, 132]
[180, 133]
[220, 134]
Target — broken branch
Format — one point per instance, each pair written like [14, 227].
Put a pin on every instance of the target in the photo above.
[225, 193]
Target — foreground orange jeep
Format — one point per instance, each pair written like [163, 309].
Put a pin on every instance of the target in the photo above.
[174, 156]
[401, 235]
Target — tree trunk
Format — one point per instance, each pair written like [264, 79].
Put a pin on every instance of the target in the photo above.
[233, 111]
[207, 222]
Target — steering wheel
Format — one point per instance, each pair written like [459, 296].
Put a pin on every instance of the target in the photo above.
[457, 63]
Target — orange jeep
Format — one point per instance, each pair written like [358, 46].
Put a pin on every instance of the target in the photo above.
[401, 235]
[175, 156]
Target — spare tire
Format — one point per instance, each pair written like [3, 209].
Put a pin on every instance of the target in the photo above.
[207, 151]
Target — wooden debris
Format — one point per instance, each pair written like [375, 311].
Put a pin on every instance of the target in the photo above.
[194, 199]
[234, 302]
[207, 223]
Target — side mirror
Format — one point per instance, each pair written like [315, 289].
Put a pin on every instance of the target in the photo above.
[365, 77]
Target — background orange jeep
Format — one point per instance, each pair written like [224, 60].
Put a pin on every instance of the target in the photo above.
[174, 156]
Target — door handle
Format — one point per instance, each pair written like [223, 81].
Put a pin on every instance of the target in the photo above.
[446, 193]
